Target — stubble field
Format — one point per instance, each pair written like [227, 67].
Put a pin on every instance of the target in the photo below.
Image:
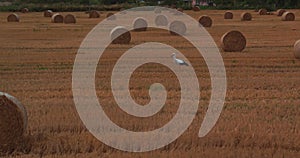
[261, 116]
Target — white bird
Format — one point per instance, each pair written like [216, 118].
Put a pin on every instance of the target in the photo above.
[178, 61]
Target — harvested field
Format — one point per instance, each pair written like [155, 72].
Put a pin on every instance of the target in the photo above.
[261, 116]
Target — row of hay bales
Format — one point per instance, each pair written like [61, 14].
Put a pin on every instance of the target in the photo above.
[235, 40]
[55, 18]
[285, 15]
[206, 21]
[231, 41]
[96, 14]
[58, 18]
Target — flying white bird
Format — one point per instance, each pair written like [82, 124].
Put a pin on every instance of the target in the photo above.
[178, 61]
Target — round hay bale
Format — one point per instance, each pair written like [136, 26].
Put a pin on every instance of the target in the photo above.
[94, 14]
[157, 10]
[25, 10]
[262, 11]
[233, 41]
[196, 8]
[279, 12]
[246, 16]
[120, 35]
[161, 20]
[13, 18]
[140, 24]
[177, 28]
[288, 16]
[270, 13]
[70, 19]
[111, 16]
[228, 15]
[205, 21]
[57, 18]
[297, 49]
[13, 122]
[48, 13]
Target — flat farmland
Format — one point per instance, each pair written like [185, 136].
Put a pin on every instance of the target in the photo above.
[261, 115]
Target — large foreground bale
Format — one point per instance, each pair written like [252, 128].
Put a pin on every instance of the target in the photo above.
[48, 13]
[161, 20]
[94, 14]
[288, 16]
[57, 18]
[262, 11]
[177, 28]
[13, 122]
[120, 35]
[24, 10]
[205, 21]
[13, 18]
[246, 16]
[70, 19]
[279, 12]
[297, 49]
[140, 24]
[228, 15]
[233, 41]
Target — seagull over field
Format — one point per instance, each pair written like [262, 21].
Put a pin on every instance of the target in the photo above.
[178, 61]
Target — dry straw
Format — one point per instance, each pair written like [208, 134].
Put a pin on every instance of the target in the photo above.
[13, 18]
[279, 12]
[233, 41]
[228, 15]
[262, 11]
[94, 14]
[161, 20]
[177, 28]
[111, 16]
[297, 49]
[120, 35]
[57, 18]
[288, 16]
[246, 16]
[205, 21]
[48, 13]
[70, 19]
[13, 122]
[140, 24]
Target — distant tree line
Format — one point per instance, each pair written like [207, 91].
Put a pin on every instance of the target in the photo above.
[232, 3]
[78, 5]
